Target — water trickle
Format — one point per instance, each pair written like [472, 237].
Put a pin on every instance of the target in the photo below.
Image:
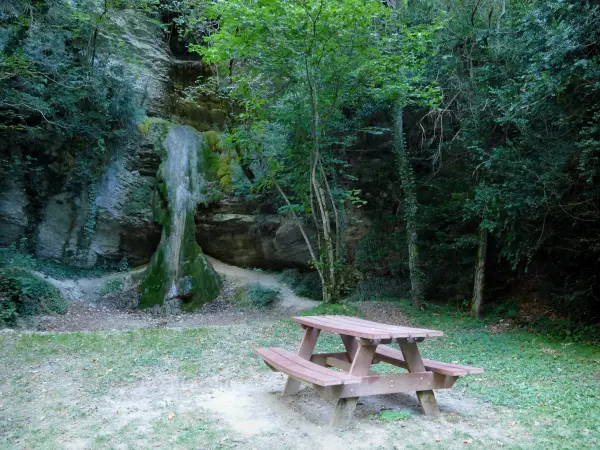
[179, 275]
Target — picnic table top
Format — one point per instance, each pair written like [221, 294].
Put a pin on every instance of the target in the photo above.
[353, 326]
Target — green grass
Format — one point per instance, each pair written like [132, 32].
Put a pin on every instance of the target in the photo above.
[392, 416]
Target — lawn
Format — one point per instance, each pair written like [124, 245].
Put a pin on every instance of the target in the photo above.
[203, 388]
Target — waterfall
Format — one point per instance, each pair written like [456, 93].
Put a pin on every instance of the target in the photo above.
[179, 275]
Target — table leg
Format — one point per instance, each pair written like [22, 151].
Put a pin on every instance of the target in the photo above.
[413, 359]
[309, 341]
[351, 345]
[361, 363]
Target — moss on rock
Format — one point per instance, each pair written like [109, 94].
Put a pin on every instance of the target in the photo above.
[179, 274]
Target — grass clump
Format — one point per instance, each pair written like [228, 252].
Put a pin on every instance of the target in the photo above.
[391, 416]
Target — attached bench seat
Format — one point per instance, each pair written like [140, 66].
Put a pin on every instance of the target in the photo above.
[393, 356]
[303, 370]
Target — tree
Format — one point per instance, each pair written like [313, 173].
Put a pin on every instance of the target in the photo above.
[297, 65]
[521, 103]
[301, 70]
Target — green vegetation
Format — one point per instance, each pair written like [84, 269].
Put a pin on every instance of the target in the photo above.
[64, 106]
[21, 292]
[304, 284]
[392, 416]
[540, 392]
[261, 296]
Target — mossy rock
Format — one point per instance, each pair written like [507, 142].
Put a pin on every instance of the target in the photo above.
[179, 273]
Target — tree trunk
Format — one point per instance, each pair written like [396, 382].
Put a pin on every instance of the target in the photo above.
[407, 179]
[479, 283]
[328, 250]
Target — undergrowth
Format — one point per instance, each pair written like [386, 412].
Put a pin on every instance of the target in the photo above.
[304, 284]
[24, 294]
[261, 296]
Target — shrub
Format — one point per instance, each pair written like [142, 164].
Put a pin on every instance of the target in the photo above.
[262, 296]
[380, 287]
[304, 284]
[24, 294]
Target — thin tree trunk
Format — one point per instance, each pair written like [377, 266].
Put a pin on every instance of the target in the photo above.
[328, 249]
[479, 283]
[407, 179]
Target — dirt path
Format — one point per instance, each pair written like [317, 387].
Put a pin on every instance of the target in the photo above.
[110, 303]
[289, 299]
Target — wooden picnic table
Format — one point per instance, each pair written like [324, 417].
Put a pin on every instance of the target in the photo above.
[366, 343]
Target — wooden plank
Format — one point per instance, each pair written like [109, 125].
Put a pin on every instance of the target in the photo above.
[316, 367]
[361, 364]
[351, 345]
[304, 370]
[353, 326]
[395, 357]
[413, 359]
[309, 341]
[338, 360]
[392, 384]
[291, 368]
[324, 324]
[396, 331]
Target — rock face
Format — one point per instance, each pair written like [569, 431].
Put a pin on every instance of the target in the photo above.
[13, 213]
[105, 226]
[112, 220]
[245, 234]
[149, 59]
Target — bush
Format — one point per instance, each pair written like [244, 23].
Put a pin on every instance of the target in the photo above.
[23, 294]
[380, 287]
[304, 284]
[262, 296]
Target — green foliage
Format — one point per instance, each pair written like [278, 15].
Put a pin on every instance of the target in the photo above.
[24, 294]
[261, 296]
[63, 103]
[372, 288]
[304, 284]
[301, 71]
[21, 292]
[389, 415]
[382, 251]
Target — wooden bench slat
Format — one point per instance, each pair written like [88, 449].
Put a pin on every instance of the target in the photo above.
[393, 356]
[302, 369]
[273, 357]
